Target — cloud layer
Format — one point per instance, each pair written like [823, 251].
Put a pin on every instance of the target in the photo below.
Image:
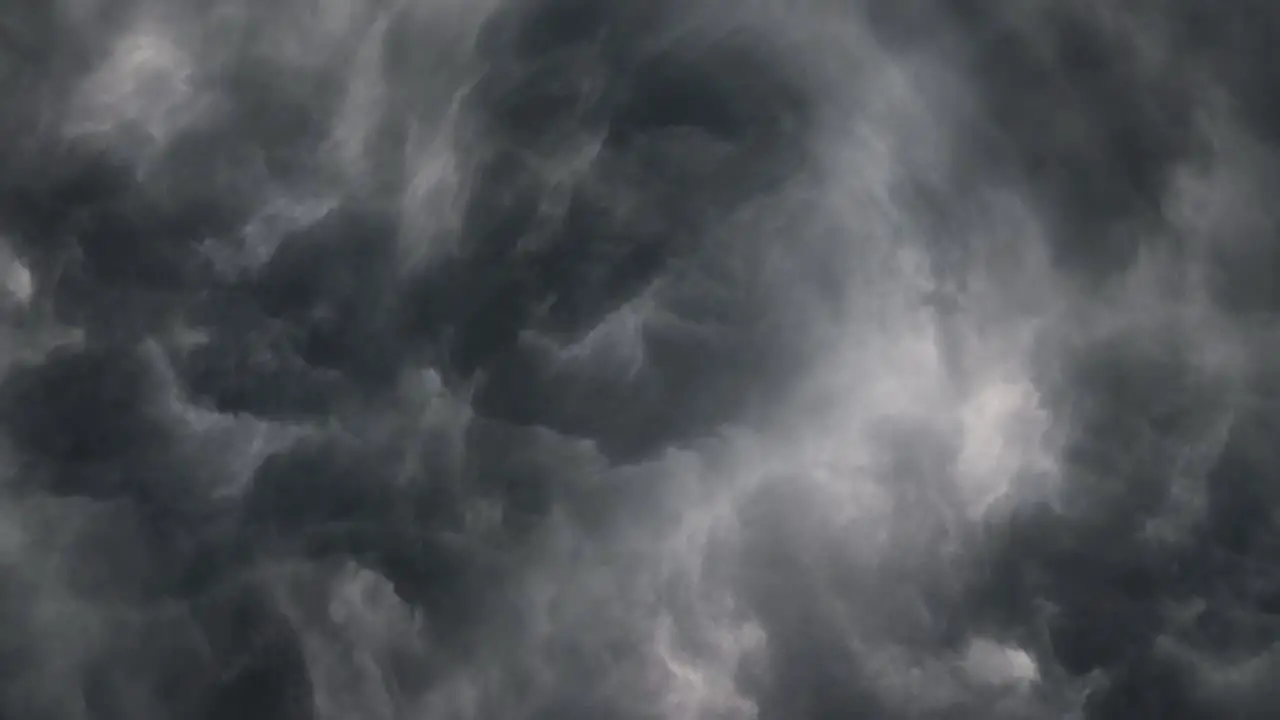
[428, 359]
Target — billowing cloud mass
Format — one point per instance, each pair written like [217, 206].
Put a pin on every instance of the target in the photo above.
[635, 360]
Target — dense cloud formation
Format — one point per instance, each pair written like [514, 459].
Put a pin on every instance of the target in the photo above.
[559, 359]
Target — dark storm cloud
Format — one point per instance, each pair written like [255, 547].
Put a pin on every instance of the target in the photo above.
[558, 359]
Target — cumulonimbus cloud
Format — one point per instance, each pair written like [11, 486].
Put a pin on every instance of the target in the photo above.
[418, 359]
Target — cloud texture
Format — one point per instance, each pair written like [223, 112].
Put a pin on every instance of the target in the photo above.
[556, 359]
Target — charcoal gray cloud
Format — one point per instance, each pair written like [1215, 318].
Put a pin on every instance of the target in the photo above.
[430, 359]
